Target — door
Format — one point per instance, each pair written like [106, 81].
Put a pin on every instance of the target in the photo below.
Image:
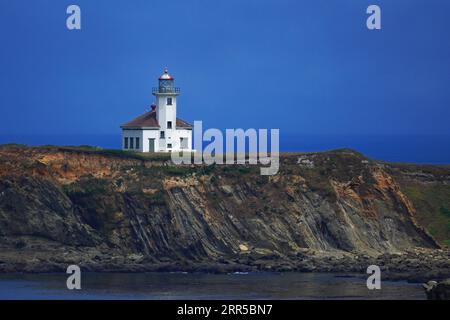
[151, 145]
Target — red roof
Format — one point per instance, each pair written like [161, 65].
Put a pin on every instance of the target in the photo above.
[148, 120]
[183, 124]
[166, 75]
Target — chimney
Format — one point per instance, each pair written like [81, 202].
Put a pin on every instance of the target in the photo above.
[153, 106]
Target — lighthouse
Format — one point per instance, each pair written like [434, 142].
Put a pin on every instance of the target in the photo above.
[159, 129]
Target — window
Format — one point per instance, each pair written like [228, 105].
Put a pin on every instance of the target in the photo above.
[169, 101]
[169, 124]
[169, 145]
[131, 143]
[162, 135]
[137, 142]
[183, 143]
[126, 143]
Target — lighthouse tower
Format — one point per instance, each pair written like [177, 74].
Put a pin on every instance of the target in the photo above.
[166, 105]
[159, 129]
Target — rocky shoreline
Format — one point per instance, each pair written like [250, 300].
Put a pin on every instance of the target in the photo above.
[416, 265]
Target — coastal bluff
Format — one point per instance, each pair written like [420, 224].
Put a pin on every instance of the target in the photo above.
[110, 210]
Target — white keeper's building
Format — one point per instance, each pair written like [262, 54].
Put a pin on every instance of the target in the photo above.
[159, 129]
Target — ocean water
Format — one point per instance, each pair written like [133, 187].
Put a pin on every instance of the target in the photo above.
[433, 149]
[192, 286]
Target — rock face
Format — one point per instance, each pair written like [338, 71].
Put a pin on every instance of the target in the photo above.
[333, 211]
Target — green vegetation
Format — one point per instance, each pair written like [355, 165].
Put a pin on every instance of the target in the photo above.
[156, 198]
[445, 211]
[186, 170]
[87, 186]
[135, 155]
[13, 145]
[348, 152]
[206, 170]
[438, 172]
[100, 151]
[432, 203]
[177, 170]
[238, 169]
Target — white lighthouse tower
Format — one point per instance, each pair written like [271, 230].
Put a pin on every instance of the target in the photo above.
[159, 129]
[166, 106]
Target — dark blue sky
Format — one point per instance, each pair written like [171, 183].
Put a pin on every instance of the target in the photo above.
[301, 66]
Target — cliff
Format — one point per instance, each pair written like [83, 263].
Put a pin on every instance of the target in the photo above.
[115, 211]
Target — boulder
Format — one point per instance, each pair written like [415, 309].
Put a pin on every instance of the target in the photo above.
[437, 290]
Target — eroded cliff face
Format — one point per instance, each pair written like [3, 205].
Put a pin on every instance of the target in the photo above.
[428, 189]
[99, 209]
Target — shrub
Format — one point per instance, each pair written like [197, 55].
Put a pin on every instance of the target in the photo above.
[83, 187]
[156, 198]
[445, 211]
